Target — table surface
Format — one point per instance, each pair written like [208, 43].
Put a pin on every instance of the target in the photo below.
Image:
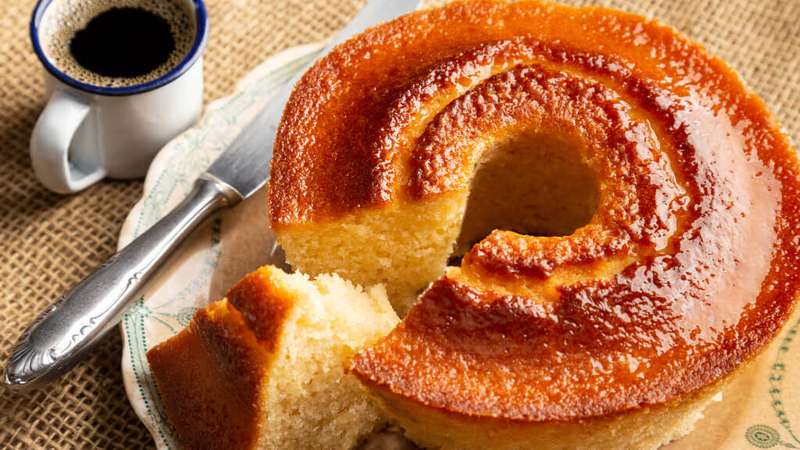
[48, 242]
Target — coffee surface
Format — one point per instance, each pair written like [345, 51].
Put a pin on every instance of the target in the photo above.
[123, 42]
[117, 43]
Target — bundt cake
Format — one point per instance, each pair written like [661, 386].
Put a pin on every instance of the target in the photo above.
[603, 222]
[266, 367]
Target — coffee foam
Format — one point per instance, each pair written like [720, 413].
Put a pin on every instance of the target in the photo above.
[64, 18]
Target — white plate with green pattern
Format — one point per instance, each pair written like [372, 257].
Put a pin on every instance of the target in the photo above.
[761, 409]
[197, 272]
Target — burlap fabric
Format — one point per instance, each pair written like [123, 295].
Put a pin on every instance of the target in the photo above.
[48, 242]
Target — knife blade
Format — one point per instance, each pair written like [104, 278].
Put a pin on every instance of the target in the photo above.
[64, 333]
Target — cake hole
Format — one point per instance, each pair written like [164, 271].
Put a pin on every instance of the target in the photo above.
[534, 184]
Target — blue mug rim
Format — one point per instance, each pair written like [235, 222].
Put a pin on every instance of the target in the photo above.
[200, 39]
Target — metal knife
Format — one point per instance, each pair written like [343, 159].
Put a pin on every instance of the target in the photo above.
[64, 333]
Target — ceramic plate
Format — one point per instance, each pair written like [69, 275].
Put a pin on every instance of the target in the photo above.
[760, 410]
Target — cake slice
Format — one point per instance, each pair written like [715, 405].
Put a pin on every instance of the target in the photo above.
[265, 368]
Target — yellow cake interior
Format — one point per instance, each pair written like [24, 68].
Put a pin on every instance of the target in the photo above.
[537, 184]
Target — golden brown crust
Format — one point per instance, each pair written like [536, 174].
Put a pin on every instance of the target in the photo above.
[263, 305]
[211, 375]
[699, 192]
[645, 428]
[211, 370]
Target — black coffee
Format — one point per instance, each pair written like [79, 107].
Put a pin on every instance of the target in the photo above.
[123, 42]
[117, 43]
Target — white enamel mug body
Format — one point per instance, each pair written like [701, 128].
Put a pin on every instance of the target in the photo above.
[86, 132]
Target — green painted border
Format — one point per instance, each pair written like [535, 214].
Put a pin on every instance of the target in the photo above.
[765, 436]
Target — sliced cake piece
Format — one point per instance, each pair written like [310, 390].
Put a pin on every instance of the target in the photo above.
[266, 367]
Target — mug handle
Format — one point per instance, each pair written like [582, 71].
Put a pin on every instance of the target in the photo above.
[50, 142]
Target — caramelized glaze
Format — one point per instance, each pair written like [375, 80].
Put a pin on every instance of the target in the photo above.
[211, 376]
[213, 368]
[699, 192]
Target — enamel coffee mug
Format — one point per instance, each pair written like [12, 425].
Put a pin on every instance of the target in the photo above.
[89, 131]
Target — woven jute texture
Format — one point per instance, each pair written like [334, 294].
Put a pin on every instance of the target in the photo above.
[48, 242]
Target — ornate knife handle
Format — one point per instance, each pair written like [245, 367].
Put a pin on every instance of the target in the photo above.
[63, 333]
